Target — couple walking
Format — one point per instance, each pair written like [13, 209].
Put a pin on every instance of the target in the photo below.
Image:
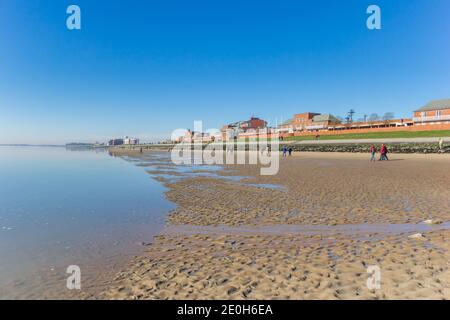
[383, 152]
[286, 150]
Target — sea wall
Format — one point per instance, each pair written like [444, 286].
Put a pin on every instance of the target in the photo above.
[365, 147]
[409, 147]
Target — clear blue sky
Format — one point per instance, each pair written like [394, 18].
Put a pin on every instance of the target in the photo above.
[145, 68]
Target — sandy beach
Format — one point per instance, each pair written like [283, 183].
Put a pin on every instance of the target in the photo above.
[309, 232]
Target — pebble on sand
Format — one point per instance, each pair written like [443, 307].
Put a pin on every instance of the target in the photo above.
[416, 236]
[432, 221]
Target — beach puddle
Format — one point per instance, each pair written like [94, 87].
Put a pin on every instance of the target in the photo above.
[354, 231]
[162, 169]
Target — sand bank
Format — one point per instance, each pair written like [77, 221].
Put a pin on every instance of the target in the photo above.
[224, 256]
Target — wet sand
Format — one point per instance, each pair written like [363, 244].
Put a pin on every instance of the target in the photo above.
[314, 238]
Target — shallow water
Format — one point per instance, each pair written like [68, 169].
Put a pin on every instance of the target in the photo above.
[354, 231]
[159, 165]
[60, 207]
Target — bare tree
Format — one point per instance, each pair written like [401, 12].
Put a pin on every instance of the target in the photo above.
[388, 116]
[374, 117]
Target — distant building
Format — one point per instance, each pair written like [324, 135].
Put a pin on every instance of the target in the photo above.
[129, 141]
[233, 130]
[372, 126]
[323, 121]
[435, 112]
[302, 120]
[115, 142]
[286, 126]
[194, 136]
[253, 123]
[308, 121]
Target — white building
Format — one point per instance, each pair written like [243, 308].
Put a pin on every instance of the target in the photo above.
[128, 140]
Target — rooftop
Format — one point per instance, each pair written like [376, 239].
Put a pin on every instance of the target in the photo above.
[325, 117]
[287, 122]
[436, 105]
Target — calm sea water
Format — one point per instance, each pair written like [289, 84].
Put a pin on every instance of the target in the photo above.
[60, 207]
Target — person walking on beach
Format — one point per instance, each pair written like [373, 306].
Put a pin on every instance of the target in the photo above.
[441, 144]
[383, 152]
[290, 151]
[373, 152]
[284, 151]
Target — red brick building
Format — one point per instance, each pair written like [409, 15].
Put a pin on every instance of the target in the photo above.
[435, 112]
[250, 126]
[309, 121]
[301, 120]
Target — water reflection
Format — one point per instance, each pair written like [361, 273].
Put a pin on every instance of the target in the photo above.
[61, 206]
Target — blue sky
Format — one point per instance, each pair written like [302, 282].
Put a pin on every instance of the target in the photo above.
[145, 68]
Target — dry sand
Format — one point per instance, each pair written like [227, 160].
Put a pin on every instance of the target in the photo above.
[329, 191]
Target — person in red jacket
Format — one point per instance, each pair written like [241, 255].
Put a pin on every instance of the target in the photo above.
[383, 152]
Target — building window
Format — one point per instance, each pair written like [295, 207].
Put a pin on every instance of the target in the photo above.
[438, 113]
[423, 114]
